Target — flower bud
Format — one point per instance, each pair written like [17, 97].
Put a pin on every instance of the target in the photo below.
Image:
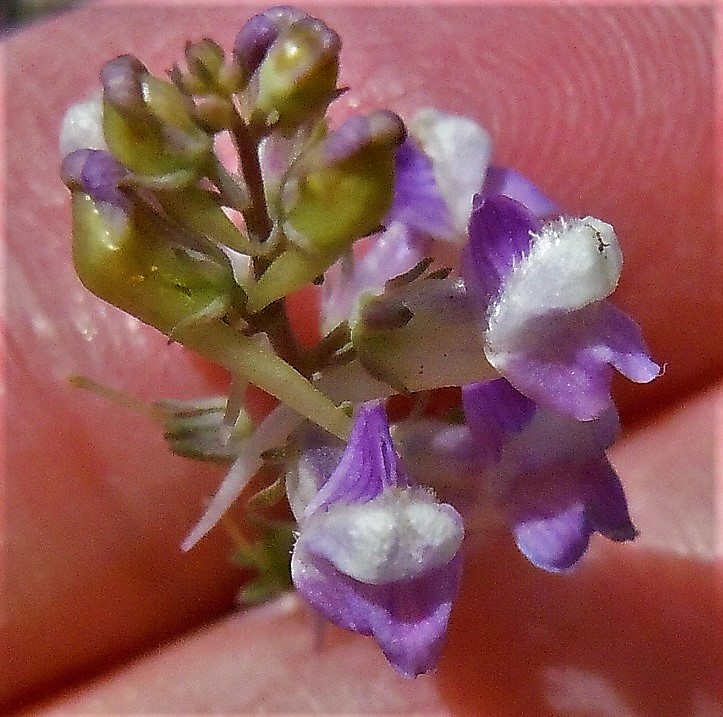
[122, 255]
[339, 191]
[258, 34]
[96, 173]
[297, 77]
[148, 124]
[342, 188]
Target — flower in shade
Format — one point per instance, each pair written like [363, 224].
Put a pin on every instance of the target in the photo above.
[376, 554]
[541, 288]
[548, 472]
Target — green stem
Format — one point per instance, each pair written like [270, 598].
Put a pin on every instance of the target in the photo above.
[258, 363]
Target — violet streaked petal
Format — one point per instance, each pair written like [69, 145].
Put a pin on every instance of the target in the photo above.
[417, 201]
[398, 536]
[408, 619]
[565, 360]
[368, 466]
[507, 181]
[494, 412]
[500, 234]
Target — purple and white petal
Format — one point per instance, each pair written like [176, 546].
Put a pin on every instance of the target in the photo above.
[417, 201]
[500, 235]
[317, 455]
[377, 555]
[541, 291]
[396, 536]
[566, 360]
[507, 181]
[367, 467]
[553, 513]
[459, 150]
[408, 619]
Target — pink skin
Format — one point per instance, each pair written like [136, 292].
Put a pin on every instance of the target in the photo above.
[611, 112]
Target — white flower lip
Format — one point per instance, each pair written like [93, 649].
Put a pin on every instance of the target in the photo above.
[398, 536]
[571, 263]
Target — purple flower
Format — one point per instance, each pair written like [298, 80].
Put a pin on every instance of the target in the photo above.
[375, 554]
[549, 474]
[541, 289]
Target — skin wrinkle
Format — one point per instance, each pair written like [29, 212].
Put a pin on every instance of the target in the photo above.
[60, 640]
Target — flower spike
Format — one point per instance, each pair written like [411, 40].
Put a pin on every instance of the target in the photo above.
[443, 275]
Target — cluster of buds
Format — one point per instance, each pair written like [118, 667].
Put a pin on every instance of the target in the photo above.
[434, 268]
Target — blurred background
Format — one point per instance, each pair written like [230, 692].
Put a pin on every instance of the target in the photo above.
[15, 13]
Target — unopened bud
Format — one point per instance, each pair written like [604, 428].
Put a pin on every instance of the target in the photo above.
[96, 173]
[126, 260]
[121, 80]
[259, 33]
[148, 124]
[205, 60]
[297, 77]
[342, 188]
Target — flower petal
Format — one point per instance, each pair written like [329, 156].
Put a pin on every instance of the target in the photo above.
[494, 412]
[565, 360]
[399, 535]
[553, 513]
[507, 181]
[417, 201]
[389, 254]
[500, 234]
[368, 466]
[459, 150]
[408, 618]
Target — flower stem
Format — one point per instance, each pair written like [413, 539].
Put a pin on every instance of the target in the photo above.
[251, 358]
[256, 213]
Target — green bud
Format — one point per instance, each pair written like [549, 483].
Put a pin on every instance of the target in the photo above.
[297, 78]
[148, 125]
[121, 258]
[343, 187]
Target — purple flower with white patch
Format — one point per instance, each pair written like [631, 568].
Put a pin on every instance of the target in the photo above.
[548, 473]
[542, 289]
[376, 554]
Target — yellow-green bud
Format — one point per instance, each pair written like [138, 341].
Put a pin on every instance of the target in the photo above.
[120, 257]
[148, 124]
[343, 187]
[297, 78]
